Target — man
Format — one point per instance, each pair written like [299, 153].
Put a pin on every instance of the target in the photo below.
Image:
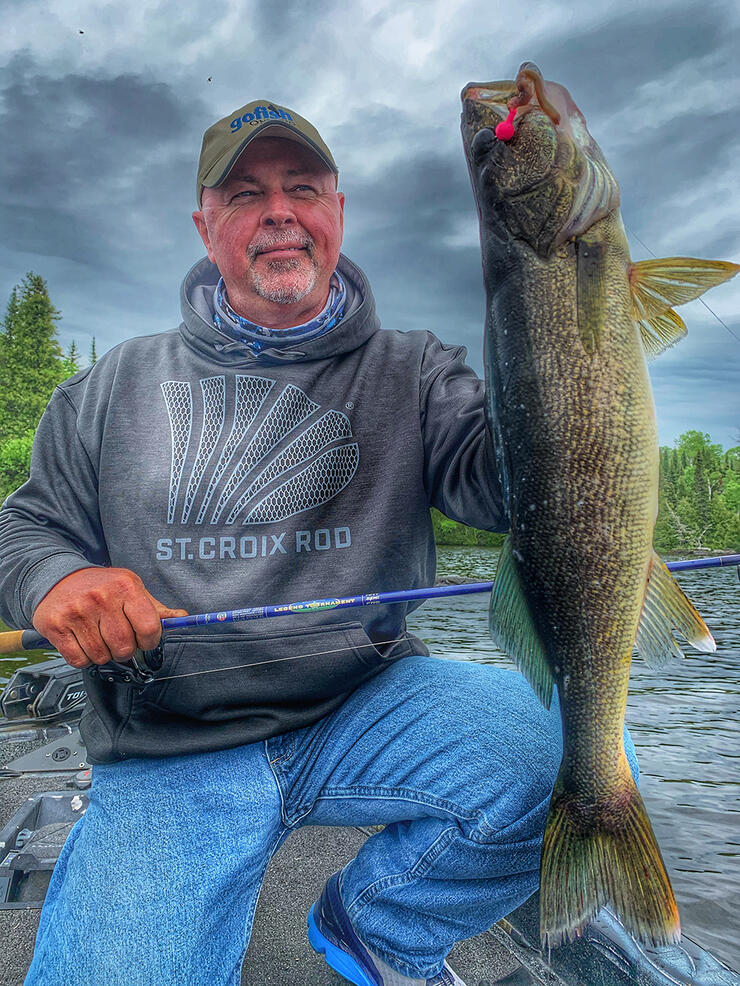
[278, 445]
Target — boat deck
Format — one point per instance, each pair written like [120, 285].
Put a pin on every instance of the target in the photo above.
[279, 953]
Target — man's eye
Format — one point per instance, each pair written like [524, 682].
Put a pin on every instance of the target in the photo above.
[247, 192]
[304, 188]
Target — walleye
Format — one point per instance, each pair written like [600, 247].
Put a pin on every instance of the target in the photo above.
[570, 321]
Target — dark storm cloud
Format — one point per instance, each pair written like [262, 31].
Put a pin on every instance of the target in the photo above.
[695, 384]
[398, 226]
[50, 230]
[691, 152]
[78, 129]
[75, 140]
[285, 23]
[609, 60]
[99, 162]
[93, 170]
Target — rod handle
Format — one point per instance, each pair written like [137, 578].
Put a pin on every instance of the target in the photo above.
[15, 640]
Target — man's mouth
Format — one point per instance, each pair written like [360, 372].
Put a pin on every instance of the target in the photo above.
[288, 250]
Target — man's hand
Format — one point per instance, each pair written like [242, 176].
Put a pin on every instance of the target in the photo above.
[96, 615]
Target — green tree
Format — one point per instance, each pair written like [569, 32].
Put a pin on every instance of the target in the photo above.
[702, 499]
[15, 463]
[30, 356]
[31, 365]
[731, 491]
[71, 361]
[93, 353]
[699, 502]
[692, 441]
[450, 532]
[725, 526]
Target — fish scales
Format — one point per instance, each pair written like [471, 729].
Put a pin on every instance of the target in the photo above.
[562, 411]
[569, 322]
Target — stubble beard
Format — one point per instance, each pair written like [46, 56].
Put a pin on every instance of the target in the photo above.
[288, 281]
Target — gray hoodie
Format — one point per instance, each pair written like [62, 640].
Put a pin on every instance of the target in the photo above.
[226, 480]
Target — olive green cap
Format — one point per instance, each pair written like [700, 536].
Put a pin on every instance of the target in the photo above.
[225, 140]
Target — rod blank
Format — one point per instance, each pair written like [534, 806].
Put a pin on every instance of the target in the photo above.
[30, 639]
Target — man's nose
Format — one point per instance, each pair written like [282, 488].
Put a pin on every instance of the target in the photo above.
[278, 211]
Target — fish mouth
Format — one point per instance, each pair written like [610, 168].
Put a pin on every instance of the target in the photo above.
[529, 91]
[485, 105]
[505, 168]
[494, 96]
[549, 181]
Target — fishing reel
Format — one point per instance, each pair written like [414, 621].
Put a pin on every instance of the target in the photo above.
[137, 672]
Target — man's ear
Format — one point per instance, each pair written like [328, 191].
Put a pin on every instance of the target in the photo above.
[200, 223]
[340, 196]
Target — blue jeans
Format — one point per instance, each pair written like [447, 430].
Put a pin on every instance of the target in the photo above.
[158, 883]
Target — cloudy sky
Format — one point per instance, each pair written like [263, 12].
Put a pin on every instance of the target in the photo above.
[103, 106]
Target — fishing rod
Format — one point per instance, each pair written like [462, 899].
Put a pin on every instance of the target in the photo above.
[16, 640]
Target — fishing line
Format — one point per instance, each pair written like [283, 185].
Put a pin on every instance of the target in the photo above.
[277, 660]
[734, 336]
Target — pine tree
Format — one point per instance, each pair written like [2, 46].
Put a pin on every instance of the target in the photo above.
[701, 493]
[667, 476]
[11, 315]
[71, 360]
[31, 358]
[93, 353]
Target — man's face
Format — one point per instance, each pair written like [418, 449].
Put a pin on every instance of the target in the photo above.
[274, 229]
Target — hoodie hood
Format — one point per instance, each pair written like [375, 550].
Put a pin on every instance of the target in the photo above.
[196, 299]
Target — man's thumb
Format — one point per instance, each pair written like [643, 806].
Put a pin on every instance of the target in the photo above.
[165, 611]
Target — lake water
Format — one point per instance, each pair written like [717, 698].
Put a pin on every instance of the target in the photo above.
[684, 723]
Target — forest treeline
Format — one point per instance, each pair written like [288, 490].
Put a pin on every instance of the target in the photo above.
[699, 507]
[32, 363]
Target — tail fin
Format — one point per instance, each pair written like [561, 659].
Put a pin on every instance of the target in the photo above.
[604, 853]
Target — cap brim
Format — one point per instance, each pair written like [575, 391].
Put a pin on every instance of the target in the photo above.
[221, 169]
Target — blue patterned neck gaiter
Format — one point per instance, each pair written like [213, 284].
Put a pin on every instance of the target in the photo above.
[259, 337]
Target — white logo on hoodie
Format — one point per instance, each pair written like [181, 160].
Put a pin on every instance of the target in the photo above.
[253, 476]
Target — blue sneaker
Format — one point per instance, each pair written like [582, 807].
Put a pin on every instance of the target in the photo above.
[331, 934]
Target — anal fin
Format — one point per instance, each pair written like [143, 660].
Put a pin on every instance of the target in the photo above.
[667, 607]
[512, 627]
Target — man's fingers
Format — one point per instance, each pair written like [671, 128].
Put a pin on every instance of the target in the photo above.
[118, 634]
[97, 614]
[92, 643]
[145, 613]
[68, 646]
[163, 612]
[142, 617]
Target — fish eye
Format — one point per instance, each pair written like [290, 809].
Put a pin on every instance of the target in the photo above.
[482, 144]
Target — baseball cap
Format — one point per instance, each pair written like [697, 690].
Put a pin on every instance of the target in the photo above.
[225, 140]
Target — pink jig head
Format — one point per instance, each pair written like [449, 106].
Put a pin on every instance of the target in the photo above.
[505, 129]
[530, 84]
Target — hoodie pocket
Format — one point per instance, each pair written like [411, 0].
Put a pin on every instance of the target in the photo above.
[285, 678]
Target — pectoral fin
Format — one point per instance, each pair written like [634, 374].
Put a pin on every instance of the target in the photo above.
[591, 286]
[667, 607]
[513, 629]
[657, 285]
